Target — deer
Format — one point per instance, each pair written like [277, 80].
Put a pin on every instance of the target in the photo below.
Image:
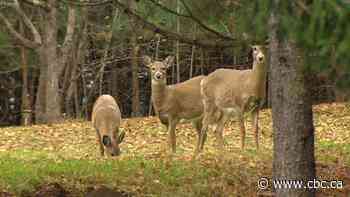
[228, 92]
[173, 103]
[106, 119]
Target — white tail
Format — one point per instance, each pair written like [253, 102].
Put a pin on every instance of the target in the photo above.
[226, 92]
[106, 119]
[175, 102]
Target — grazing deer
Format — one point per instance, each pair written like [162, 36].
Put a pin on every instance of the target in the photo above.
[175, 102]
[226, 92]
[106, 119]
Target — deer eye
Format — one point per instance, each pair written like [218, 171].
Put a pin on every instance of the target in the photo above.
[106, 140]
[254, 48]
[163, 69]
[153, 69]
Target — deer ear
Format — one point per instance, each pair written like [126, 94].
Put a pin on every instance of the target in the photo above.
[169, 61]
[121, 137]
[147, 60]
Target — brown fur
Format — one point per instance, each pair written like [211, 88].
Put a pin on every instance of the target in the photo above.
[227, 91]
[175, 102]
[106, 119]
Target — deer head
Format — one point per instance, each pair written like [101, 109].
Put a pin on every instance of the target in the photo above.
[258, 54]
[111, 144]
[158, 68]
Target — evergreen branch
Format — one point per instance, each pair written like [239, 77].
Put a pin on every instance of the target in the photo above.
[193, 18]
[165, 8]
[153, 27]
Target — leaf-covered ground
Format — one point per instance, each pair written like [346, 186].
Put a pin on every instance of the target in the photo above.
[68, 154]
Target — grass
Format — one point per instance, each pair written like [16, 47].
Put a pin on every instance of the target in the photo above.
[68, 154]
[160, 177]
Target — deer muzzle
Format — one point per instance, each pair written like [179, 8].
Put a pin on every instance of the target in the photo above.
[158, 75]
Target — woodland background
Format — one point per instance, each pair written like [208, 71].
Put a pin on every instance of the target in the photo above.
[56, 57]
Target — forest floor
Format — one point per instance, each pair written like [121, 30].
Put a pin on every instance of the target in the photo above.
[65, 157]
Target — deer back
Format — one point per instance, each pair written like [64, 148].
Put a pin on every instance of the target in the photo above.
[182, 99]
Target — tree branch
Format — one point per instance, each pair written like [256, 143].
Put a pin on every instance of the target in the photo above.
[28, 23]
[170, 34]
[193, 18]
[38, 3]
[168, 9]
[199, 22]
[303, 6]
[18, 36]
[87, 3]
[224, 41]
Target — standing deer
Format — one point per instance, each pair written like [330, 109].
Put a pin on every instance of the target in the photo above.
[226, 92]
[175, 102]
[106, 119]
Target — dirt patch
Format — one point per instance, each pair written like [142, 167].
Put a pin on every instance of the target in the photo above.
[57, 190]
[44, 190]
[106, 192]
[5, 194]
[50, 190]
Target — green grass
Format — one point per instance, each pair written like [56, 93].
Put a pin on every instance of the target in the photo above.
[331, 152]
[22, 170]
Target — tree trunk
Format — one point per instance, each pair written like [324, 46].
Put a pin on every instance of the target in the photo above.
[77, 97]
[47, 107]
[48, 103]
[202, 61]
[193, 50]
[66, 81]
[135, 78]
[40, 102]
[136, 108]
[26, 118]
[53, 108]
[157, 46]
[79, 47]
[70, 90]
[292, 115]
[178, 43]
[114, 85]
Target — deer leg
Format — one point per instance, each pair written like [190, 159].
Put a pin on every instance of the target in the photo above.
[202, 137]
[242, 128]
[205, 126]
[197, 124]
[102, 151]
[255, 119]
[208, 111]
[219, 130]
[172, 135]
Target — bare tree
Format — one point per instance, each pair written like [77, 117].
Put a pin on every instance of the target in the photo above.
[72, 88]
[47, 107]
[26, 107]
[177, 44]
[134, 63]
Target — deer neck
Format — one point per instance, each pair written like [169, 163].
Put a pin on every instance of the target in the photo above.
[158, 93]
[259, 71]
[259, 77]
